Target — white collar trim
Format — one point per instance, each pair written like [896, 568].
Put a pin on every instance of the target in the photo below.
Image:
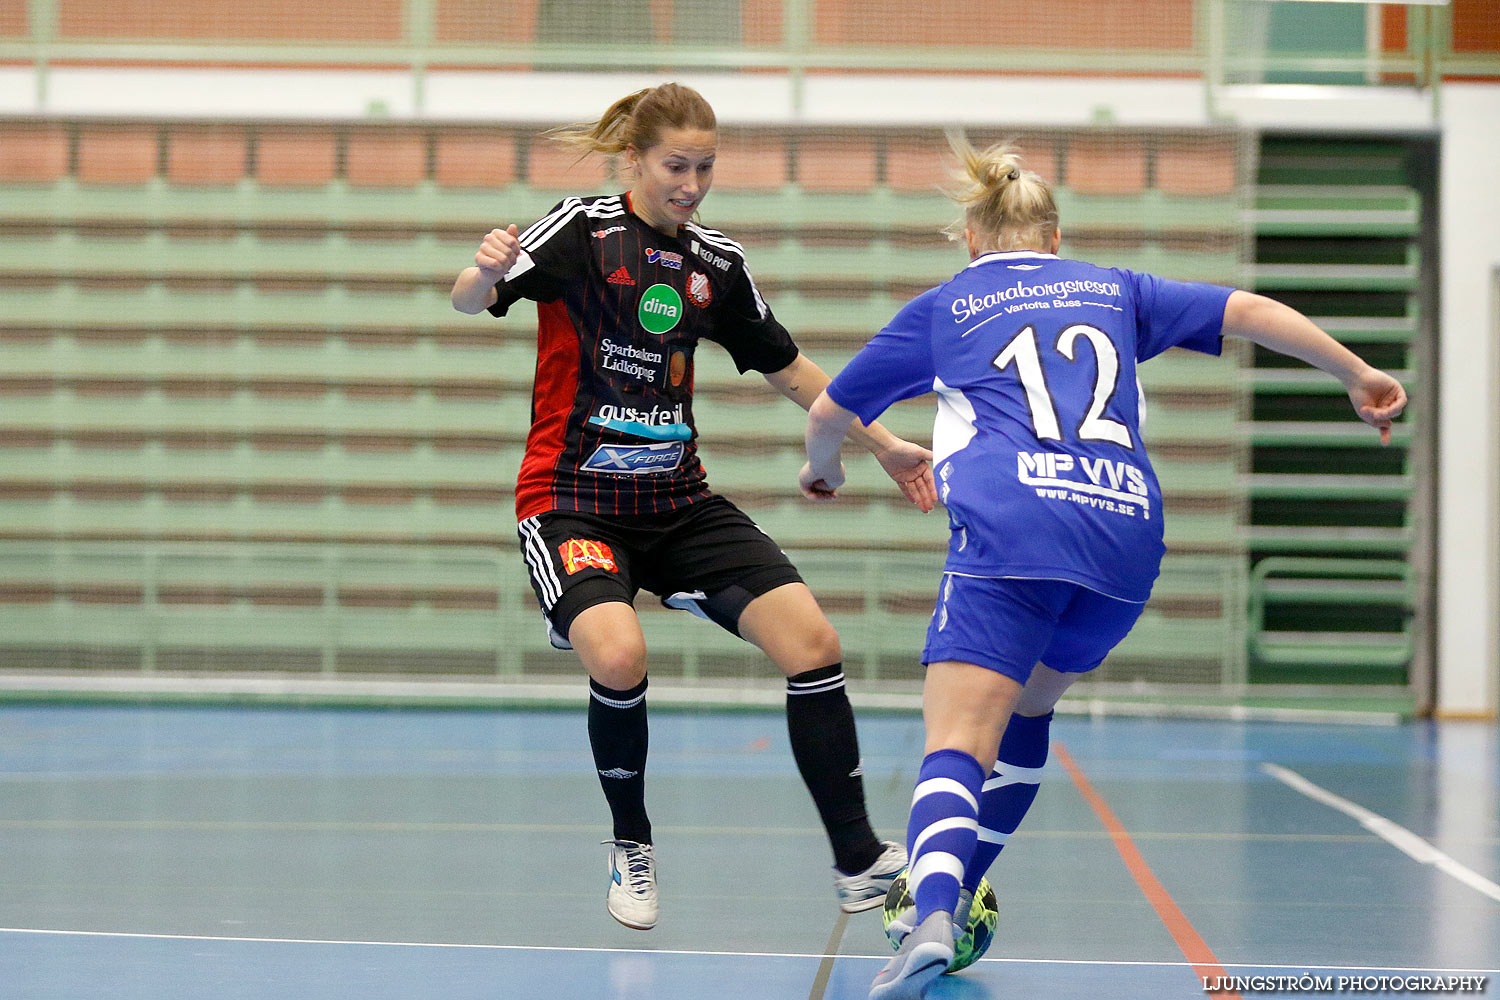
[1010, 255]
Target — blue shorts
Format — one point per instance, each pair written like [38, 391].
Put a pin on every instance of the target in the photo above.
[1010, 625]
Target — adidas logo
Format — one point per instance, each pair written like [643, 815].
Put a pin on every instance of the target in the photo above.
[621, 277]
[618, 772]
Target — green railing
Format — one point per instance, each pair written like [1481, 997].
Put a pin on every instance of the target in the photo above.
[1336, 647]
[320, 610]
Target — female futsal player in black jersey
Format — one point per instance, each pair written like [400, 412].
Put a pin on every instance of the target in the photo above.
[611, 497]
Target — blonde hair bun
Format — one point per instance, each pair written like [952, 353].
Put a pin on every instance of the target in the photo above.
[1004, 205]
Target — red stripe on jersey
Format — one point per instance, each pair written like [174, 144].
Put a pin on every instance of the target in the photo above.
[552, 400]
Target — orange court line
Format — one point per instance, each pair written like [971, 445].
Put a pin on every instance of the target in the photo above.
[1199, 955]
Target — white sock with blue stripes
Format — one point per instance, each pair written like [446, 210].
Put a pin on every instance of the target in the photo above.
[943, 828]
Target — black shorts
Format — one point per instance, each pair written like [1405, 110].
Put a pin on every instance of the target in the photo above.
[707, 558]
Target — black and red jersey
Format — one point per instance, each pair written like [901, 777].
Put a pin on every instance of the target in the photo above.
[621, 308]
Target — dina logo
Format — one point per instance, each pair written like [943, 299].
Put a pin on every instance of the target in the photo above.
[660, 308]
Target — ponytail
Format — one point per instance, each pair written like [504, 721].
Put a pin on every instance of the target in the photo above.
[1005, 206]
[608, 136]
[638, 120]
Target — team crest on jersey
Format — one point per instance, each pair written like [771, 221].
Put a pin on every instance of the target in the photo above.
[665, 258]
[581, 553]
[699, 290]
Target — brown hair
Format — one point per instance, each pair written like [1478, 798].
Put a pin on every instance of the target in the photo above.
[1006, 207]
[638, 120]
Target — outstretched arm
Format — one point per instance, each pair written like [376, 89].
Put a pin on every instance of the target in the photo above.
[908, 464]
[474, 289]
[1377, 397]
[827, 425]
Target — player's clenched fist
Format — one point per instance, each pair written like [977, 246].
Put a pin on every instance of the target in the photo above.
[498, 251]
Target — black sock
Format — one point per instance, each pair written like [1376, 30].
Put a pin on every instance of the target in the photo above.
[618, 736]
[821, 724]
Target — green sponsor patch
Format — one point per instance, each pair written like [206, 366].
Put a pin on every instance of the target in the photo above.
[660, 308]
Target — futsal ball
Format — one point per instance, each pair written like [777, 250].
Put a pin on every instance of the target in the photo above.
[968, 946]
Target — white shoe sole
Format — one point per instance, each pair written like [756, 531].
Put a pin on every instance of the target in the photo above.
[861, 905]
[924, 965]
[634, 925]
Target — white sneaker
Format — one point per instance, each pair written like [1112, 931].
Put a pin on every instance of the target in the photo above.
[923, 957]
[866, 890]
[905, 922]
[632, 884]
[961, 912]
[901, 925]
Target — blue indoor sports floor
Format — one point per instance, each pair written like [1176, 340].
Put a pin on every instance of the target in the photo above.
[156, 853]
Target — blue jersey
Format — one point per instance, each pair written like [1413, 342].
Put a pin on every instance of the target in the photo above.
[1037, 443]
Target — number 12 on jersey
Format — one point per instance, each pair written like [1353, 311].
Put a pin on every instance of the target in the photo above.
[1024, 353]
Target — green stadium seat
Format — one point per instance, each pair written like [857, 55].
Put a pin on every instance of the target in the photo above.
[553, 166]
[295, 157]
[836, 163]
[93, 20]
[1319, 433]
[206, 155]
[1280, 278]
[1039, 151]
[1198, 166]
[749, 161]
[117, 154]
[14, 22]
[1337, 584]
[1105, 164]
[470, 21]
[386, 158]
[917, 164]
[480, 159]
[1305, 210]
[33, 153]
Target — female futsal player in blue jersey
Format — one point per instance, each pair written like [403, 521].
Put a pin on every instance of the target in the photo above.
[1055, 511]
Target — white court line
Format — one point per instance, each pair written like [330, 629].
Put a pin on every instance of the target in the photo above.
[354, 826]
[519, 695]
[1398, 836]
[707, 954]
